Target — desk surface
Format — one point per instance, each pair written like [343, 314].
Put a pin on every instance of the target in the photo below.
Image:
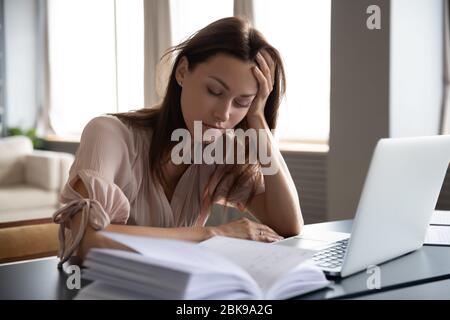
[437, 290]
[35, 279]
[427, 267]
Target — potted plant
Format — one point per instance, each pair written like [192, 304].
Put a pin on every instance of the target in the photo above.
[30, 133]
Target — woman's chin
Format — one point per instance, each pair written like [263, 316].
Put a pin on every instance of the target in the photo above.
[209, 140]
[205, 142]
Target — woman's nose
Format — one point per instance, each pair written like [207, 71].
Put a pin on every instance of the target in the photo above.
[222, 113]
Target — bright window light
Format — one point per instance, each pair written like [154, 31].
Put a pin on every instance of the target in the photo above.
[97, 59]
[91, 45]
[190, 16]
[300, 30]
[130, 54]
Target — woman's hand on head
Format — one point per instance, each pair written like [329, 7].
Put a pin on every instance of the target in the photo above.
[265, 76]
[246, 229]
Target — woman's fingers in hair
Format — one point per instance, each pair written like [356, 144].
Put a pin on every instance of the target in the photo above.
[270, 63]
[264, 67]
[264, 89]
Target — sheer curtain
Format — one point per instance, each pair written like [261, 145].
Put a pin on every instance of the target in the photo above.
[158, 37]
[82, 62]
[445, 114]
[300, 30]
[109, 62]
[244, 8]
[190, 16]
[96, 61]
[43, 123]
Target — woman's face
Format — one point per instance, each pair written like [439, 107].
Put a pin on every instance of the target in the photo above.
[217, 92]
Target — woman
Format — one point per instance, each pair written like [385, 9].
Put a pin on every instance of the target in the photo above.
[124, 180]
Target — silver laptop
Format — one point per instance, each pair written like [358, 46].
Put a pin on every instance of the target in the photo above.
[397, 201]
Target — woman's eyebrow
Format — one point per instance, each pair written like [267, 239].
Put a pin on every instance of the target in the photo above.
[228, 88]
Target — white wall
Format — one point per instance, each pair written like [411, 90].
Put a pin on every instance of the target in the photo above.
[416, 67]
[20, 67]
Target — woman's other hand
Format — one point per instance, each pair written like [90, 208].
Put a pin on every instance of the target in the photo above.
[246, 229]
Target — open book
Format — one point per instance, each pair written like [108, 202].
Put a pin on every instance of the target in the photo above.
[218, 268]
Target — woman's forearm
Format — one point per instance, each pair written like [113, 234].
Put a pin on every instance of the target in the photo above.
[195, 234]
[282, 206]
[94, 239]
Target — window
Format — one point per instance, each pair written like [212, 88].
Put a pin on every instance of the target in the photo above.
[190, 16]
[300, 30]
[130, 54]
[96, 62]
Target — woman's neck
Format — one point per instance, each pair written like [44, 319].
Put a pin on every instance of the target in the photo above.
[173, 172]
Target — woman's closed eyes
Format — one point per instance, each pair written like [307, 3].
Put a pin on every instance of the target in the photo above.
[214, 93]
[240, 104]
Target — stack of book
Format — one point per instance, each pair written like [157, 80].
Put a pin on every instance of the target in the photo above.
[218, 268]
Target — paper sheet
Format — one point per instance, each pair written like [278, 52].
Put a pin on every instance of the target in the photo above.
[183, 253]
[265, 262]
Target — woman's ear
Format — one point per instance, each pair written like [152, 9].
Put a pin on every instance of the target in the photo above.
[181, 70]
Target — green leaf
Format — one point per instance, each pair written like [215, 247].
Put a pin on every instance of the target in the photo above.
[30, 133]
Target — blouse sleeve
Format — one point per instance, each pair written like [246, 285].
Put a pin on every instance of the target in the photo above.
[102, 163]
[242, 192]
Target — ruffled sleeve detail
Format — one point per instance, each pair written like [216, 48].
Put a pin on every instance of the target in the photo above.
[106, 204]
[103, 163]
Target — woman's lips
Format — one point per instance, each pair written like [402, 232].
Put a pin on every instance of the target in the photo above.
[207, 126]
[216, 132]
[213, 127]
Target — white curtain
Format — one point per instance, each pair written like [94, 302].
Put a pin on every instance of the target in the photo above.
[157, 38]
[82, 60]
[445, 114]
[244, 8]
[43, 123]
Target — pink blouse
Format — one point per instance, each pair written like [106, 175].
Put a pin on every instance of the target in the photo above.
[112, 161]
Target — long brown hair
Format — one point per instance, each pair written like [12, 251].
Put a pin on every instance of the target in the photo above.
[233, 36]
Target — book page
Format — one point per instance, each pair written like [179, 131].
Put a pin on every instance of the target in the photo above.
[265, 262]
[185, 254]
[440, 217]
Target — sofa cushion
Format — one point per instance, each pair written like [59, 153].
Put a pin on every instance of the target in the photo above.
[42, 169]
[11, 216]
[12, 157]
[24, 196]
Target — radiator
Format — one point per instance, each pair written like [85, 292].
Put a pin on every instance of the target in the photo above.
[308, 170]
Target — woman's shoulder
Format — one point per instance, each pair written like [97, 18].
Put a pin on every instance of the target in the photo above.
[107, 127]
[107, 144]
[105, 122]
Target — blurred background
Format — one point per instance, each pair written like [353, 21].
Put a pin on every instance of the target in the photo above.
[357, 71]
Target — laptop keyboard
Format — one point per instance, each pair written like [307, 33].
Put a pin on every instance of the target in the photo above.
[332, 256]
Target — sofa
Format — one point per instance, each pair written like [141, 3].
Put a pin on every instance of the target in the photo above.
[30, 183]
